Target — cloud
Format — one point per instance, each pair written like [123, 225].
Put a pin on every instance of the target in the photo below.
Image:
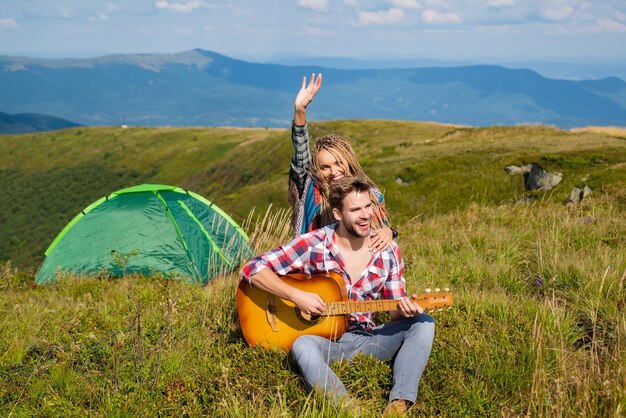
[316, 5]
[178, 7]
[99, 16]
[382, 17]
[560, 13]
[7, 22]
[432, 16]
[111, 7]
[181, 30]
[501, 3]
[315, 31]
[406, 4]
[608, 25]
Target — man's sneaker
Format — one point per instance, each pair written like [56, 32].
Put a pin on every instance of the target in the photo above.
[352, 407]
[396, 408]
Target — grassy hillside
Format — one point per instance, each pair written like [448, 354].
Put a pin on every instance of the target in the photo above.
[50, 177]
[538, 327]
[537, 330]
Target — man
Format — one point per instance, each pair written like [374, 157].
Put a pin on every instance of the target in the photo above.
[343, 248]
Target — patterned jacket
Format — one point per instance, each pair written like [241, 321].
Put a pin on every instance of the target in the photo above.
[303, 190]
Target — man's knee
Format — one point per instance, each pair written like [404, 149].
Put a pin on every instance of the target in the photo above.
[304, 344]
[424, 318]
[422, 324]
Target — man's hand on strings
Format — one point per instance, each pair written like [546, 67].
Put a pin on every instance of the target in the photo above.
[309, 303]
[408, 308]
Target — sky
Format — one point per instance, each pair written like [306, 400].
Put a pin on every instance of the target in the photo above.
[373, 29]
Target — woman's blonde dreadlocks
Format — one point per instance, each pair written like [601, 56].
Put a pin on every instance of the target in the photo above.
[345, 156]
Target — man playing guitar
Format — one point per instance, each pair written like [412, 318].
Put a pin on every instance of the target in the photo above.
[343, 248]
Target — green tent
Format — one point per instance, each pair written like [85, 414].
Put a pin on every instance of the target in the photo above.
[147, 229]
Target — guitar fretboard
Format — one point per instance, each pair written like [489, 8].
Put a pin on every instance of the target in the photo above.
[353, 306]
[428, 302]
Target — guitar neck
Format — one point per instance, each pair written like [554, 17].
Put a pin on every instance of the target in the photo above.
[349, 307]
[428, 302]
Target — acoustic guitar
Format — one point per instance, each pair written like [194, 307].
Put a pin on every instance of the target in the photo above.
[271, 321]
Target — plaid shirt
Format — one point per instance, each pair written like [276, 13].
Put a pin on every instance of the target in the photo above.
[317, 252]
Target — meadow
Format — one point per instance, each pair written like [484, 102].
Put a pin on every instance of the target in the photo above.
[538, 327]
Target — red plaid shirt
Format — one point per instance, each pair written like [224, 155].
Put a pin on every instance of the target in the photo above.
[317, 252]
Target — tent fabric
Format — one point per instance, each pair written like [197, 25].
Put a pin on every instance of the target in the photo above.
[148, 229]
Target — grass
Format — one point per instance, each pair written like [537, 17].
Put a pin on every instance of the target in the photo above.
[425, 169]
[538, 327]
[615, 131]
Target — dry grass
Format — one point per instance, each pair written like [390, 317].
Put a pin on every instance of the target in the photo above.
[616, 131]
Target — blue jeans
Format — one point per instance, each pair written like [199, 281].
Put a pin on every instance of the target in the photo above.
[408, 339]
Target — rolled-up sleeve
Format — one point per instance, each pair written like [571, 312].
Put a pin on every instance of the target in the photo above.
[282, 260]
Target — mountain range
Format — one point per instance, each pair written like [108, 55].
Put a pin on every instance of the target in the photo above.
[204, 88]
[31, 122]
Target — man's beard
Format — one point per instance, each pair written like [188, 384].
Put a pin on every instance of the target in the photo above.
[352, 229]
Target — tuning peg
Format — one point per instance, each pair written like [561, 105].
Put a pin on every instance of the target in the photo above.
[446, 289]
[437, 289]
[428, 290]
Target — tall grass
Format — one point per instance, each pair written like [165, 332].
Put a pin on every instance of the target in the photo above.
[538, 329]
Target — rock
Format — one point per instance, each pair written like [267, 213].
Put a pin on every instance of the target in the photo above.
[512, 169]
[526, 199]
[540, 179]
[577, 195]
[588, 220]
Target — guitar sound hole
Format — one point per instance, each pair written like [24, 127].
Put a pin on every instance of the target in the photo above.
[306, 318]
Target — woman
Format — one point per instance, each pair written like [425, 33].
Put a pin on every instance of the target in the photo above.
[311, 175]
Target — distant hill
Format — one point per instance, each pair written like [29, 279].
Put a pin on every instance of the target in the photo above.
[203, 88]
[31, 122]
[569, 70]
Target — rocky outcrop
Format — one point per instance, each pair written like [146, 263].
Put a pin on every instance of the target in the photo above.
[577, 195]
[539, 179]
[526, 199]
[512, 169]
[535, 178]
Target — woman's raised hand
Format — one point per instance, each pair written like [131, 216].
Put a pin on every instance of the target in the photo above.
[305, 96]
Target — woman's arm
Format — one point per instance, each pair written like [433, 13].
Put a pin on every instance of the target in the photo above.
[382, 237]
[301, 158]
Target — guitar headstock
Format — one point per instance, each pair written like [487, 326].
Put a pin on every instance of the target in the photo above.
[437, 300]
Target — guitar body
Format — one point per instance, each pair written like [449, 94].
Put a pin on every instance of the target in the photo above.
[270, 321]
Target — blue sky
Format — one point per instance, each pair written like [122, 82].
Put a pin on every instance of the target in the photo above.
[256, 29]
